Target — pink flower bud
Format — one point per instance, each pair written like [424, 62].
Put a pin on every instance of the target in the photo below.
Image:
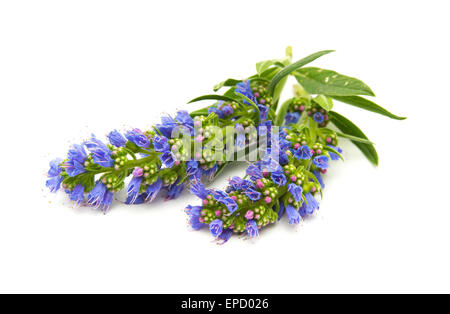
[249, 215]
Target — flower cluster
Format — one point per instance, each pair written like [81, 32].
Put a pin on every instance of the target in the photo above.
[309, 107]
[286, 181]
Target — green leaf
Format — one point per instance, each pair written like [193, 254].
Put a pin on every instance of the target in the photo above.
[229, 82]
[348, 127]
[262, 66]
[331, 83]
[279, 121]
[324, 102]
[366, 104]
[354, 138]
[294, 66]
[212, 97]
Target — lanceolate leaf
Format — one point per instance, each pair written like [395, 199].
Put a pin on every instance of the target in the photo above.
[354, 138]
[324, 102]
[348, 127]
[212, 97]
[366, 104]
[331, 83]
[294, 66]
[229, 82]
[262, 66]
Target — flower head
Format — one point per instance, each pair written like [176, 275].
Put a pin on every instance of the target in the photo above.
[216, 227]
[77, 195]
[185, 120]
[292, 214]
[333, 155]
[167, 126]
[75, 160]
[101, 154]
[137, 137]
[198, 189]
[318, 117]
[319, 178]
[254, 172]
[296, 191]
[153, 190]
[303, 153]
[194, 213]
[321, 162]
[240, 137]
[175, 190]
[292, 117]
[252, 228]
[96, 196]
[279, 178]
[133, 189]
[54, 183]
[117, 139]
[312, 204]
[225, 236]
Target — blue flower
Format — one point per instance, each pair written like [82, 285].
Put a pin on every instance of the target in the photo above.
[264, 110]
[227, 110]
[240, 137]
[76, 158]
[254, 172]
[303, 153]
[96, 196]
[333, 155]
[153, 190]
[292, 214]
[198, 189]
[174, 191]
[236, 183]
[225, 199]
[133, 189]
[141, 199]
[168, 159]
[243, 88]
[107, 201]
[54, 183]
[252, 228]
[77, 195]
[321, 162]
[302, 210]
[318, 117]
[192, 168]
[296, 191]
[279, 178]
[194, 213]
[217, 111]
[137, 137]
[319, 178]
[312, 204]
[101, 154]
[253, 195]
[292, 117]
[185, 120]
[117, 139]
[55, 168]
[225, 236]
[269, 164]
[161, 143]
[167, 126]
[216, 227]
[211, 172]
[281, 210]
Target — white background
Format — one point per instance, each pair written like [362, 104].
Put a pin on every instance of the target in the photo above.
[69, 68]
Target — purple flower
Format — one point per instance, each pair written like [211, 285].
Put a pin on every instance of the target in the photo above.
[279, 178]
[101, 154]
[225, 236]
[254, 172]
[296, 192]
[216, 227]
[174, 191]
[227, 110]
[253, 195]
[269, 164]
[117, 139]
[137, 137]
[252, 228]
[243, 88]
[194, 213]
[55, 168]
[161, 144]
[292, 117]
[54, 183]
[192, 168]
[333, 155]
[168, 159]
[303, 153]
[167, 126]
[225, 199]
[210, 173]
[281, 210]
[77, 195]
[240, 137]
[141, 199]
[319, 178]
[153, 190]
[318, 117]
[76, 158]
[217, 111]
[236, 183]
[198, 189]
[293, 215]
[321, 162]
[264, 110]
[107, 201]
[96, 196]
[312, 204]
[302, 210]
[133, 189]
[185, 120]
